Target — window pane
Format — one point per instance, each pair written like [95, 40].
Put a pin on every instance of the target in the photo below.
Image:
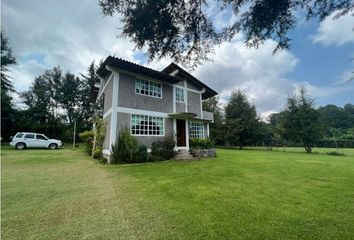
[29, 136]
[146, 125]
[40, 137]
[196, 130]
[19, 135]
[179, 94]
[147, 88]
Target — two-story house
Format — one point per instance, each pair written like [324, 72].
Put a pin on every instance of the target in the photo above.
[152, 104]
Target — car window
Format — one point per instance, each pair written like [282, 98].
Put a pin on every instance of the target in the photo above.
[29, 136]
[19, 135]
[41, 137]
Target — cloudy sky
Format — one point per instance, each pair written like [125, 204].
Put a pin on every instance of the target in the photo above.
[44, 34]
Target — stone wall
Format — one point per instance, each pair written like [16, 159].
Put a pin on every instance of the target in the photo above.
[204, 152]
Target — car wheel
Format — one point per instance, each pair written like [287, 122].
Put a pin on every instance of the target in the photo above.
[20, 146]
[53, 146]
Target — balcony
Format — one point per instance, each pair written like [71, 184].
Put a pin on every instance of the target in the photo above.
[209, 116]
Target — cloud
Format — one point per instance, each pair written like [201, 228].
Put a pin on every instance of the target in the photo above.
[335, 31]
[257, 72]
[44, 34]
[71, 34]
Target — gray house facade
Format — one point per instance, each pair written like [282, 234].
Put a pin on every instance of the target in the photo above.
[152, 104]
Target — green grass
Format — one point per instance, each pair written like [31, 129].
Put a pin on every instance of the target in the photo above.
[245, 194]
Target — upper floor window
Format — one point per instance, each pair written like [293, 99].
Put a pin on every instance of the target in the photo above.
[148, 88]
[179, 94]
[147, 125]
[196, 130]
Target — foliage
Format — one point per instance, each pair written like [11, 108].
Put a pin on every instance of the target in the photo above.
[87, 138]
[300, 121]
[164, 149]
[216, 128]
[7, 59]
[184, 30]
[7, 109]
[54, 102]
[200, 143]
[241, 120]
[126, 149]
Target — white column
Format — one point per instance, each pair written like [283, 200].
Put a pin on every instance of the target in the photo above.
[208, 130]
[174, 99]
[187, 135]
[114, 123]
[185, 97]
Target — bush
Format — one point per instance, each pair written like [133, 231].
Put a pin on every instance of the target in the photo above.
[127, 149]
[164, 149]
[200, 143]
[87, 138]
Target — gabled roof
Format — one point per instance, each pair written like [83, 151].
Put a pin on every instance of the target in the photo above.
[164, 75]
[135, 68]
[187, 76]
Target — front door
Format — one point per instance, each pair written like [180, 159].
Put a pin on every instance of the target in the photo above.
[181, 133]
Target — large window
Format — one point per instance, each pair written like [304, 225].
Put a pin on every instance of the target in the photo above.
[148, 88]
[196, 130]
[147, 125]
[179, 94]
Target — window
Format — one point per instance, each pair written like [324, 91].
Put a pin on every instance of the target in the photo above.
[148, 88]
[179, 94]
[41, 137]
[19, 135]
[196, 130]
[147, 125]
[29, 136]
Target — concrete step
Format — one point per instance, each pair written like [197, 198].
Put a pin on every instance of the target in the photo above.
[184, 155]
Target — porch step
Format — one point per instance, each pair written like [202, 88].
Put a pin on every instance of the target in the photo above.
[184, 155]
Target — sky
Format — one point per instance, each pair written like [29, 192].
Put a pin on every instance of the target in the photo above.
[44, 34]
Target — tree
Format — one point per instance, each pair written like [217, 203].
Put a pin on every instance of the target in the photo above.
[241, 120]
[88, 95]
[300, 121]
[217, 133]
[7, 108]
[184, 31]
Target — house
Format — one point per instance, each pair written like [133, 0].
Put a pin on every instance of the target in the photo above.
[152, 104]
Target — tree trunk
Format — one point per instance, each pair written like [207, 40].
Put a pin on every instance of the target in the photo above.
[308, 148]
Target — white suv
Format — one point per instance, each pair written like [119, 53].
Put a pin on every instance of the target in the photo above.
[34, 140]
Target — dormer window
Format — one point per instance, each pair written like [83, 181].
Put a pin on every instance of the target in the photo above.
[148, 88]
[179, 95]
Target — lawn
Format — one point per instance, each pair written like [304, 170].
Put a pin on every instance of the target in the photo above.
[248, 194]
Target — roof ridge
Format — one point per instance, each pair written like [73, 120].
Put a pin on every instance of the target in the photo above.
[139, 65]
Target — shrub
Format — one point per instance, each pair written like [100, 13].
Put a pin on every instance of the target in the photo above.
[200, 143]
[141, 154]
[87, 138]
[164, 149]
[126, 149]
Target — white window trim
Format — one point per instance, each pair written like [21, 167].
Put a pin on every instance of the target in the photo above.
[136, 78]
[203, 132]
[145, 135]
[184, 96]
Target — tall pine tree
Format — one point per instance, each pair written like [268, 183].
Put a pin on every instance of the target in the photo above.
[241, 120]
[7, 109]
